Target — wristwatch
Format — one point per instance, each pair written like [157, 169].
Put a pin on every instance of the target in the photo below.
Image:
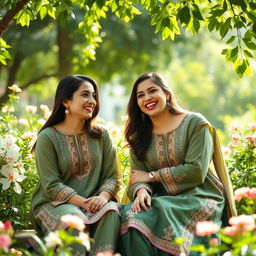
[151, 175]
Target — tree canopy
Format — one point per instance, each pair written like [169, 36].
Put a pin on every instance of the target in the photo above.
[234, 20]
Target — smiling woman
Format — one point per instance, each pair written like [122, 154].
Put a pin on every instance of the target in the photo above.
[78, 168]
[172, 186]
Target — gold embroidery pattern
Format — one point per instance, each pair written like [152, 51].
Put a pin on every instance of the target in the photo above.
[79, 154]
[160, 151]
[90, 218]
[144, 229]
[142, 185]
[105, 248]
[110, 185]
[204, 213]
[168, 233]
[63, 195]
[50, 222]
[168, 181]
[170, 147]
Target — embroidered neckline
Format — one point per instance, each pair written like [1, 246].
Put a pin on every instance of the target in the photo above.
[178, 127]
[66, 133]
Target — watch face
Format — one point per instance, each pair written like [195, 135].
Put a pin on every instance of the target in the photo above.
[151, 175]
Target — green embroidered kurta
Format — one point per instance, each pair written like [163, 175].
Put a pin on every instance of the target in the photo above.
[76, 164]
[188, 191]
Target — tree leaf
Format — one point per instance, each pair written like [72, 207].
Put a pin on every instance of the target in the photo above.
[231, 39]
[247, 54]
[197, 14]
[43, 12]
[183, 15]
[196, 25]
[252, 5]
[249, 44]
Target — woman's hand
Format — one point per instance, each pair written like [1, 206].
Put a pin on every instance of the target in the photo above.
[142, 200]
[95, 203]
[138, 176]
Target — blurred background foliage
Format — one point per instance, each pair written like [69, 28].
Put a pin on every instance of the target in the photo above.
[115, 52]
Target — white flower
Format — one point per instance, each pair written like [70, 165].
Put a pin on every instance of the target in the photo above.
[11, 175]
[7, 109]
[15, 88]
[52, 239]
[84, 239]
[23, 122]
[29, 135]
[44, 108]
[31, 109]
[41, 121]
[10, 148]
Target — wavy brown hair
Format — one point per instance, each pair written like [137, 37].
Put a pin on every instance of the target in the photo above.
[65, 90]
[138, 129]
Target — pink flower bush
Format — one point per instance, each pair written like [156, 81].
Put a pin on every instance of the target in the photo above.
[204, 228]
[5, 241]
[239, 225]
[245, 192]
[73, 221]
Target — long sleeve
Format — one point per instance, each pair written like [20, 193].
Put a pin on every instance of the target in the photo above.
[135, 164]
[193, 171]
[112, 177]
[47, 166]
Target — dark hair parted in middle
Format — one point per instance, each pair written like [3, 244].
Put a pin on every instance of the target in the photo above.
[138, 130]
[65, 90]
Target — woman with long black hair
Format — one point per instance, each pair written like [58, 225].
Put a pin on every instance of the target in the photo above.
[78, 168]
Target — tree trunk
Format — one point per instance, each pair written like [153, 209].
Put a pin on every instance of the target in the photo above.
[65, 43]
[8, 17]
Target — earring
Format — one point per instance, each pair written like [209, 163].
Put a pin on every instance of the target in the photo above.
[168, 105]
[67, 111]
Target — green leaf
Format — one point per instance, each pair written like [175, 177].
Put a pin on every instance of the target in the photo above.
[223, 30]
[183, 15]
[254, 28]
[249, 44]
[90, 3]
[196, 25]
[248, 34]
[251, 16]
[242, 4]
[238, 24]
[199, 248]
[234, 52]
[247, 54]
[166, 33]
[241, 68]
[212, 24]
[217, 13]
[43, 12]
[252, 5]
[100, 3]
[231, 39]
[197, 14]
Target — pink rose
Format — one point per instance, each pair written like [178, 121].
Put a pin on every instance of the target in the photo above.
[245, 222]
[252, 193]
[204, 228]
[5, 241]
[73, 221]
[233, 231]
[214, 242]
[241, 192]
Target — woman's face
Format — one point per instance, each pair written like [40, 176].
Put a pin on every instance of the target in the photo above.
[83, 101]
[151, 98]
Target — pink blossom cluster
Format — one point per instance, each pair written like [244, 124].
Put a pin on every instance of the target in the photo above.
[245, 192]
[239, 225]
[252, 138]
[6, 230]
[204, 228]
[73, 221]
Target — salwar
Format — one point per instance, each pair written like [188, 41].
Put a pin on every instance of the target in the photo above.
[143, 246]
[105, 233]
